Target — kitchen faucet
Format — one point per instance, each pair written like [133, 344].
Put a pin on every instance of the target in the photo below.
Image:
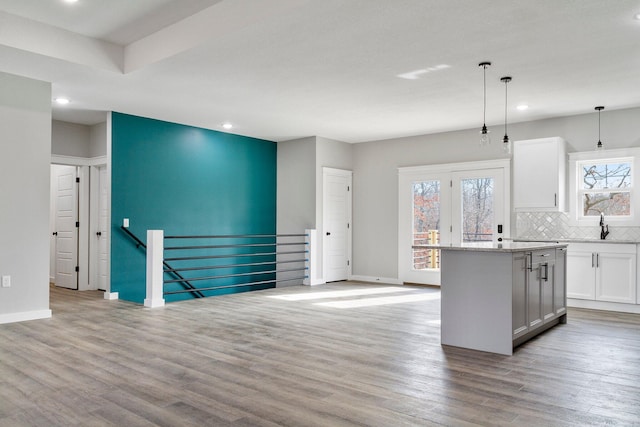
[603, 232]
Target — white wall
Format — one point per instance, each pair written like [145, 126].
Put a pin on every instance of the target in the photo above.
[296, 182]
[299, 198]
[25, 154]
[375, 178]
[98, 140]
[70, 139]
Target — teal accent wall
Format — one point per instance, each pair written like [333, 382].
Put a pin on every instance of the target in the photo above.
[186, 181]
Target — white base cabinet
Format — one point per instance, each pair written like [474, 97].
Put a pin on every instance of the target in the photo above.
[602, 272]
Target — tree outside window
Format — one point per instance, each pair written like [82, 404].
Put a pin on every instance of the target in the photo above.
[606, 188]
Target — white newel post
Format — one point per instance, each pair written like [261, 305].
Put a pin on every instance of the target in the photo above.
[312, 246]
[155, 281]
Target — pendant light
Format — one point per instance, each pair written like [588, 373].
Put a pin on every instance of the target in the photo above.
[485, 140]
[599, 146]
[506, 142]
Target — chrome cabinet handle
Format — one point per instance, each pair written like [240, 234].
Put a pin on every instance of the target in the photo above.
[546, 271]
[592, 260]
[597, 260]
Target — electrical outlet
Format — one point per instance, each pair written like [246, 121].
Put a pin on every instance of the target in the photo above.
[6, 281]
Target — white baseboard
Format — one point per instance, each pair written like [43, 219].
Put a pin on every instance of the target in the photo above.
[374, 279]
[24, 316]
[313, 282]
[111, 295]
[603, 305]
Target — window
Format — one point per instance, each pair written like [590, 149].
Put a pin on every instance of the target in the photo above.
[603, 182]
[605, 188]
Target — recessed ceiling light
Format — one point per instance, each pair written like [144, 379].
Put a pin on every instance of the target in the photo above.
[70, 1]
[522, 107]
[62, 101]
[636, 16]
[227, 125]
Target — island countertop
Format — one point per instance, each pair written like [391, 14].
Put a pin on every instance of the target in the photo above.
[507, 246]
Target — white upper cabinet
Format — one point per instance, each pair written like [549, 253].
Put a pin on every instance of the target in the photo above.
[539, 167]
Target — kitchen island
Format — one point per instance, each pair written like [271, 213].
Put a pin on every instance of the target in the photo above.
[495, 296]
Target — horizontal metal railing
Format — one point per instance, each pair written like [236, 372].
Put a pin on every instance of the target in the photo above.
[182, 280]
[240, 261]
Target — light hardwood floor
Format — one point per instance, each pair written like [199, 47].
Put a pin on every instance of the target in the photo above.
[267, 359]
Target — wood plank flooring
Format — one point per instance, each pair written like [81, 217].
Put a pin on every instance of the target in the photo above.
[300, 356]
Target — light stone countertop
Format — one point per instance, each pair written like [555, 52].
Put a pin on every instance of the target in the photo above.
[507, 246]
[630, 242]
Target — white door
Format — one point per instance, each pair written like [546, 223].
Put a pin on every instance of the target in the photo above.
[581, 276]
[336, 239]
[66, 229]
[448, 204]
[477, 206]
[425, 218]
[616, 277]
[102, 229]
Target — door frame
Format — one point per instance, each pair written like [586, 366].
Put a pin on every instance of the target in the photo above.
[407, 175]
[88, 204]
[326, 171]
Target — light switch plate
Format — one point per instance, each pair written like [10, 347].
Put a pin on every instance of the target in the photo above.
[125, 223]
[6, 281]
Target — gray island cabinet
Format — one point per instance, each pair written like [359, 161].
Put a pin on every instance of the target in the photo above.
[495, 296]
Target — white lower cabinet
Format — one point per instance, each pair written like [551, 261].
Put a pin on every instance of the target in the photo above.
[602, 272]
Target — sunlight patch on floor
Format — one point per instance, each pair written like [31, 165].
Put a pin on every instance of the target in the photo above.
[339, 294]
[369, 302]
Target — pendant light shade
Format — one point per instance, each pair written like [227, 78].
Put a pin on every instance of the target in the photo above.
[506, 142]
[485, 140]
[599, 146]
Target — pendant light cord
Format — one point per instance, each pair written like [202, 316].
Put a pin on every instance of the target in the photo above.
[484, 85]
[599, 125]
[506, 81]
[599, 109]
[505, 107]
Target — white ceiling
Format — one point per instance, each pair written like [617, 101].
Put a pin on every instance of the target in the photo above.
[284, 69]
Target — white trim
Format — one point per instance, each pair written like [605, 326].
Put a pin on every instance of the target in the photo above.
[108, 178]
[622, 154]
[78, 161]
[111, 295]
[456, 167]
[83, 231]
[374, 279]
[24, 316]
[603, 305]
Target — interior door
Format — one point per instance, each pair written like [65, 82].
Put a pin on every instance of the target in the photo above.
[103, 229]
[336, 224]
[66, 229]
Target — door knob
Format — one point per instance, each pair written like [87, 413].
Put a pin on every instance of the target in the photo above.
[99, 233]
[55, 233]
[328, 234]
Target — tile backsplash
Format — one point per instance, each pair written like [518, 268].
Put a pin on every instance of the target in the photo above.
[557, 225]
